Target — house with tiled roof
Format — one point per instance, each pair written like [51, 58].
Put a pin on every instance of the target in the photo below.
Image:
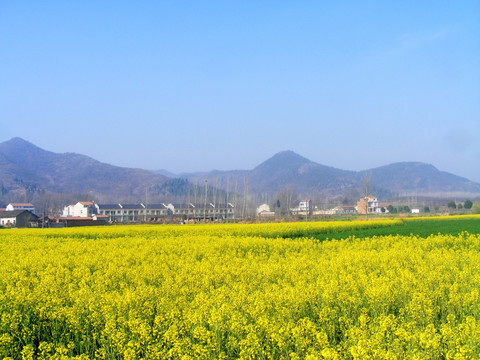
[264, 211]
[18, 218]
[80, 209]
[304, 207]
[126, 213]
[368, 204]
[20, 206]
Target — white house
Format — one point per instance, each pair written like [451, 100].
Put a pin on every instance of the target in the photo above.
[209, 211]
[68, 211]
[368, 204]
[8, 219]
[264, 210]
[18, 218]
[80, 209]
[20, 206]
[302, 208]
[324, 212]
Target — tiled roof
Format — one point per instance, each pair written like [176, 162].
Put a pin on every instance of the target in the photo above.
[21, 204]
[202, 205]
[181, 206]
[12, 213]
[132, 206]
[86, 203]
[156, 206]
[109, 206]
[223, 206]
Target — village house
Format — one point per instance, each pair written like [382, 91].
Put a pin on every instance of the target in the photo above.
[122, 212]
[20, 206]
[155, 212]
[80, 209]
[211, 212]
[345, 210]
[131, 212]
[264, 211]
[303, 208]
[368, 205]
[321, 212]
[74, 221]
[18, 218]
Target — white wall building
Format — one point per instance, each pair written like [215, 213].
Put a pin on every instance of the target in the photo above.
[368, 204]
[20, 206]
[302, 208]
[264, 210]
[80, 209]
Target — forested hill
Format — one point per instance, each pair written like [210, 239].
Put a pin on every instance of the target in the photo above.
[288, 170]
[26, 169]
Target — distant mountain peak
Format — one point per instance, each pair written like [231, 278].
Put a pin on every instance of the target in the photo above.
[17, 141]
[24, 167]
[289, 154]
[28, 169]
[287, 158]
[410, 166]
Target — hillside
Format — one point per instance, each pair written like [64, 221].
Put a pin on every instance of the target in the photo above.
[288, 170]
[27, 172]
[418, 178]
[26, 168]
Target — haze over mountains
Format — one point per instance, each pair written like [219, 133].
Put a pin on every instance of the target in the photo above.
[290, 170]
[27, 170]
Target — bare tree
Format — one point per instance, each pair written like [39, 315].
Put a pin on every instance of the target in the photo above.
[245, 195]
[205, 204]
[367, 177]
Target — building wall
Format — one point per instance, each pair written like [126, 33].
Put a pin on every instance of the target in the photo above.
[83, 210]
[8, 221]
[368, 204]
[79, 210]
[67, 211]
[264, 208]
[21, 220]
[14, 206]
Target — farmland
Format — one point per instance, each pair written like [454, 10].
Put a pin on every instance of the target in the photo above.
[383, 289]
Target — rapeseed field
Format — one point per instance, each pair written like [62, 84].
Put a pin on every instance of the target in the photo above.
[260, 291]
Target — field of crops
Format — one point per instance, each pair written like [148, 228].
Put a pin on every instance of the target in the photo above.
[260, 291]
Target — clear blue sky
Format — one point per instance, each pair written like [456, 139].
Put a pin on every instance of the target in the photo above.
[202, 85]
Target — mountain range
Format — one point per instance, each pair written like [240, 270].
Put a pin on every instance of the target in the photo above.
[288, 170]
[27, 170]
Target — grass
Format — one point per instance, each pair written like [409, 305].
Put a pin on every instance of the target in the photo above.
[420, 227]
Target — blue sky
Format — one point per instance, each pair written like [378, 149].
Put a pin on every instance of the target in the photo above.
[202, 85]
